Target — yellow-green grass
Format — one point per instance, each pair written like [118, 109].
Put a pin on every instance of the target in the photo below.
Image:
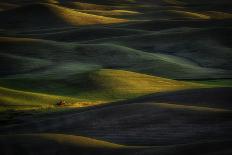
[110, 12]
[59, 144]
[66, 140]
[188, 14]
[100, 55]
[176, 13]
[108, 84]
[214, 82]
[53, 15]
[189, 107]
[80, 141]
[92, 88]
[218, 15]
[209, 55]
[22, 100]
[51, 143]
[131, 82]
[77, 18]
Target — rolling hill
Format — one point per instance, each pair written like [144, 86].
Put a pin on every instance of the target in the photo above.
[69, 144]
[79, 34]
[207, 47]
[96, 86]
[21, 100]
[115, 77]
[62, 143]
[52, 15]
[175, 15]
[60, 54]
[154, 122]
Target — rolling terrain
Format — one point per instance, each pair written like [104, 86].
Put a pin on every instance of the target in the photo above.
[115, 77]
[55, 15]
[155, 120]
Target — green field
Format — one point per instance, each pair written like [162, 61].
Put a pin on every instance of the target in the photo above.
[115, 77]
[93, 87]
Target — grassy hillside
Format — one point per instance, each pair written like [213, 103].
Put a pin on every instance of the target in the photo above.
[219, 15]
[113, 13]
[215, 82]
[124, 84]
[102, 85]
[21, 63]
[166, 14]
[69, 144]
[53, 15]
[68, 139]
[62, 143]
[212, 98]
[22, 100]
[138, 77]
[79, 34]
[73, 58]
[207, 47]
[155, 119]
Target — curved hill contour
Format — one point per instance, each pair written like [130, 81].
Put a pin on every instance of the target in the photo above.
[48, 15]
[59, 144]
[103, 55]
[101, 85]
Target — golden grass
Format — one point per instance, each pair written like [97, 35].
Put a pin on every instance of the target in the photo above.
[106, 85]
[80, 141]
[10, 97]
[111, 12]
[190, 14]
[68, 140]
[131, 82]
[218, 15]
[21, 40]
[126, 11]
[189, 107]
[78, 18]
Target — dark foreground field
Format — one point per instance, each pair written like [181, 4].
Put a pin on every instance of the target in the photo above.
[167, 123]
[110, 77]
